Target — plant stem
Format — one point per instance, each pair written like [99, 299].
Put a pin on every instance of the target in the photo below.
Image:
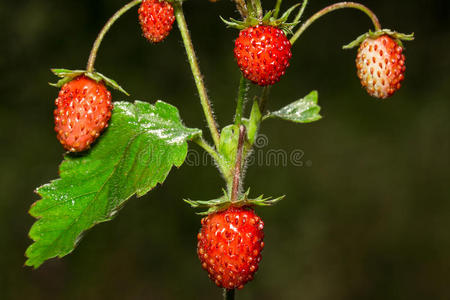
[238, 166]
[242, 94]
[105, 29]
[334, 7]
[276, 10]
[228, 294]
[204, 100]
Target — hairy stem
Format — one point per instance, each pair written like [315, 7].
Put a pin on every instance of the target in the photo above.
[228, 294]
[204, 100]
[334, 7]
[242, 94]
[105, 29]
[238, 166]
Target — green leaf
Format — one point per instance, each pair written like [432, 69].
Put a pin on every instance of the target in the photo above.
[304, 110]
[136, 153]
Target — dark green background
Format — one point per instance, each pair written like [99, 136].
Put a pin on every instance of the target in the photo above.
[369, 219]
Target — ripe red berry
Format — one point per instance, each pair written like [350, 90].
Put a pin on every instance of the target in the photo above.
[156, 18]
[229, 246]
[83, 109]
[262, 53]
[380, 66]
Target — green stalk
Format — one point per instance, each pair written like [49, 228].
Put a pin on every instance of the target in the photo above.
[242, 94]
[334, 7]
[228, 294]
[237, 175]
[198, 78]
[105, 29]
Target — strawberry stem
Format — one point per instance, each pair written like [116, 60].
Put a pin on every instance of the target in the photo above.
[105, 29]
[334, 7]
[238, 166]
[198, 77]
[242, 94]
[228, 294]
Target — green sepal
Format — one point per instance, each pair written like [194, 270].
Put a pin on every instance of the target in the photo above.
[236, 24]
[69, 75]
[267, 17]
[253, 20]
[253, 123]
[398, 37]
[305, 110]
[222, 203]
[66, 76]
[287, 14]
[229, 139]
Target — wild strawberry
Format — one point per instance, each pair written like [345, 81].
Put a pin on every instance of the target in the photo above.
[262, 53]
[156, 18]
[229, 246]
[83, 109]
[380, 66]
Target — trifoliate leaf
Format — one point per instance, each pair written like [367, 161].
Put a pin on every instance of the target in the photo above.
[136, 153]
[304, 110]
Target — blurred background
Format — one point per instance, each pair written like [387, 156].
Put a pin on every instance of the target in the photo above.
[367, 213]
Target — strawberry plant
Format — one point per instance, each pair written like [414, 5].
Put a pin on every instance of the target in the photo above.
[127, 148]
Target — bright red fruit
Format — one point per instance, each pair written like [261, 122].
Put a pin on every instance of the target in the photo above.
[156, 18]
[262, 53]
[83, 109]
[229, 246]
[380, 66]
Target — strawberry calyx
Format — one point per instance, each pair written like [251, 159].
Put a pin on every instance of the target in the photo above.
[69, 75]
[254, 18]
[396, 36]
[224, 202]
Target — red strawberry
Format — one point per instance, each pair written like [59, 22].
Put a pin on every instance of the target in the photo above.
[229, 246]
[83, 109]
[381, 66]
[262, 53]
[156, 18]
